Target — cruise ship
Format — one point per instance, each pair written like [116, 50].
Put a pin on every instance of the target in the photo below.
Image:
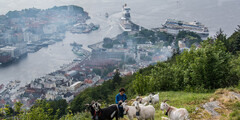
[173, 26]
[125, 21]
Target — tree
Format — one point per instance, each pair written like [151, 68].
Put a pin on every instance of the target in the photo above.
[208, 67]
[59, 107]
[140, 84]
[37, 113]
[189, 37]
[107, 43]
[8, 110]
[116, 79]
[161, 77]
[234, 41]
[221, 37]
[17, 107]
[48, 109]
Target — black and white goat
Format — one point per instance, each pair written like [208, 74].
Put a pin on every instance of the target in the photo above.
[103, 114]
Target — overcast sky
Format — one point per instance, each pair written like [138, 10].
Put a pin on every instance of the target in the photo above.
[7, 5]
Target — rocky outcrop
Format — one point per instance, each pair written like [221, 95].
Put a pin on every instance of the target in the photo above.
[234, 95]
[220, 106]
[211, 106]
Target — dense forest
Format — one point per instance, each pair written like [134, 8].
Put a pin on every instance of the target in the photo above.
[216, 64]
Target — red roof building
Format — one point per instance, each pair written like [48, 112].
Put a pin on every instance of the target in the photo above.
[88, 81]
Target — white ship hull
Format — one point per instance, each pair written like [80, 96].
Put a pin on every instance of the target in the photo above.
[125, 29]
[174, 26]
[125, 21]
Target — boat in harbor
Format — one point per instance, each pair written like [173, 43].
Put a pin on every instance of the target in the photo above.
[80, 28]
[125, 20]
[106, 15]
[76, 44]
[78, 51]
[173, 26]
[5, 58]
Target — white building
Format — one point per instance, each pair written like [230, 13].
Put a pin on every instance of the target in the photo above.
[76, 85]
[51, 95]
[49, 84]
[181, 44]
[96, 78]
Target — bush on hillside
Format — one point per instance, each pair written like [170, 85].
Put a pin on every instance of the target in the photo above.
[206, 68]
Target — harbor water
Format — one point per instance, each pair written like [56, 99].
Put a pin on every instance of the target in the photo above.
[215, 14]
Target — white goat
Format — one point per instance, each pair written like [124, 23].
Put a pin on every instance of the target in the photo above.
[144, 100]
[153, 99]
[144, 112]
[130, 111]
[174, 113]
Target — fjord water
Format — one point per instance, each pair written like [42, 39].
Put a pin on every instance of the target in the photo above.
[215, 14]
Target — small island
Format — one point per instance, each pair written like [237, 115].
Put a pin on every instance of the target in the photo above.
[28, 30]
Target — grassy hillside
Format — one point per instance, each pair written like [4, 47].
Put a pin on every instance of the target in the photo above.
[178, 99]
[181, 99]
[193, 103]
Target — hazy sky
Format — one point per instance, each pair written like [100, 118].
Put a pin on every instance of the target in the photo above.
[6, 5]
[215, 14]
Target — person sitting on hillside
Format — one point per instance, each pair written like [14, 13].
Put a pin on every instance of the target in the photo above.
[120, 98]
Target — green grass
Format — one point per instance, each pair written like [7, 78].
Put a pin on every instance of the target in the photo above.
[78, 116]
[235, 115]
[177, 99]
[181, 100]
[186, 100]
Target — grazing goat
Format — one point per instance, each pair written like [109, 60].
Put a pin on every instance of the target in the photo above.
[91, 109]
[174, 113]
[103, 114]
[144, 112]
[153, 99]
[144, 100]
[130, 111]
